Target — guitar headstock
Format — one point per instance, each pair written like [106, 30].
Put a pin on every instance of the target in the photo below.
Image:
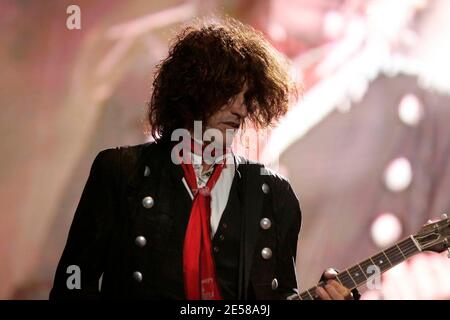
[435, 236]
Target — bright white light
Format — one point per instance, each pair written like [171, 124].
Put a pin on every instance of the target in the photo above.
[386, 229]
[398, 175]
[344, 106]
[410, 110]
[333, 24]
[277, 32]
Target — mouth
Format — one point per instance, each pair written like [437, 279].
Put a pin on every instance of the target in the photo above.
[232, 124]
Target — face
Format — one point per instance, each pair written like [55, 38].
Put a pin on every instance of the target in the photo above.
[230, 117]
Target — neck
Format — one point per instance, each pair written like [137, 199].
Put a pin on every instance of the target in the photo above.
[367, 270]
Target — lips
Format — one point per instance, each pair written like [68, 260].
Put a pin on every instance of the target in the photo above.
[234, 125]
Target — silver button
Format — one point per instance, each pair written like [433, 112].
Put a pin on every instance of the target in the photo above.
[266, 253]
[146, 171]
[140, 241]
[265, 223]
[148, 202]
[265, 188]
[274, 284]
[137, 276]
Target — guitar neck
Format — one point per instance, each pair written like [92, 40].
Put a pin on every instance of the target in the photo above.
[357, 275]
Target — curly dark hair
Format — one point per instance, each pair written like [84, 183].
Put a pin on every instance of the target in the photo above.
[208, 65]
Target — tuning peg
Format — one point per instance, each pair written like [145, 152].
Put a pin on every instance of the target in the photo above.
[429, 221]
[444, 216]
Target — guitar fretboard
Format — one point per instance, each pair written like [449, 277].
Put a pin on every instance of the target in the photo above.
[357, 275]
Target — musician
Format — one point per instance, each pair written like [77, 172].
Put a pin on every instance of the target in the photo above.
[156, 222]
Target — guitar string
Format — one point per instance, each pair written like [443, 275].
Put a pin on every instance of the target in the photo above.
[406, 246]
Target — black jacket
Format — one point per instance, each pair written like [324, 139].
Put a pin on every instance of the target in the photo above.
[110, 216]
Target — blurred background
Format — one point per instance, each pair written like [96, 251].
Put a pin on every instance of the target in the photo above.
[366, 148]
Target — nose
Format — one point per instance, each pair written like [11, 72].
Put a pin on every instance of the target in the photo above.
[239, 108]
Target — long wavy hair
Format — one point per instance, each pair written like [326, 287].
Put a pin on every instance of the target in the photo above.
[208, 64]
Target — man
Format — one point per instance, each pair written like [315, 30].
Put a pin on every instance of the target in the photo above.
[164, 221]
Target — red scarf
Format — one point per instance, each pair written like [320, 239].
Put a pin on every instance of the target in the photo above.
[198, 265]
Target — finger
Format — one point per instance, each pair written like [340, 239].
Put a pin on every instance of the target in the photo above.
[322, 293]
[330, 273]
[344, 291]
[333, 293]
[340, 288]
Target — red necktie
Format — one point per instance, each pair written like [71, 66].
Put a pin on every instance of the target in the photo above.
[198, 265]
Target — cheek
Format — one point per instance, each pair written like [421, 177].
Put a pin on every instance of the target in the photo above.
[211, 121]
[214, 120]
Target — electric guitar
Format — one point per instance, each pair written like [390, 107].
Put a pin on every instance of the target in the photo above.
[434, 236]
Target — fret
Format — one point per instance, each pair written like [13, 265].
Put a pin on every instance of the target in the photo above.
[346, 280]
[384, 253]
[395, 255]
[408, 247]
[365, 265]
[416, 243]
[306, 296]
[409, 252]
[400, 251]
[381, 261]
[338, 280]
[312, 293]
[357, 274]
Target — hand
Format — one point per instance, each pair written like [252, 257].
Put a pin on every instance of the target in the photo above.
[333, 290]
